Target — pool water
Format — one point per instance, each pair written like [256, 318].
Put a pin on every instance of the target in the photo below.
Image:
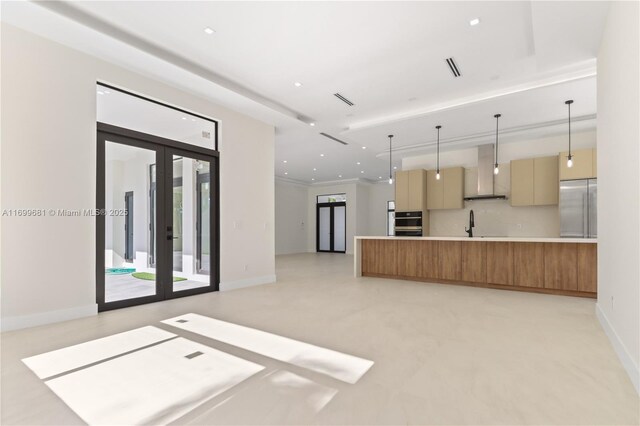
[119, 271]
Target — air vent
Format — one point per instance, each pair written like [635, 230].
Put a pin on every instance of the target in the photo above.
[453, 67]
[343, 99]
[333, 138]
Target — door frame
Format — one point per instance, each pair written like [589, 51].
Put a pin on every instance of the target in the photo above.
[163, 148]
[331, 226]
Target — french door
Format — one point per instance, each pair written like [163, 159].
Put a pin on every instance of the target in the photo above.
[331, 230]
[169, 246]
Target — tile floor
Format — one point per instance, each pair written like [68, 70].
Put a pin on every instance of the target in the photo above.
[443, 354]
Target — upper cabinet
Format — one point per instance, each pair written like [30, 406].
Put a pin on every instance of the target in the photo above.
[411, 190]
[534, 181]
[584, 164]
[446, 192]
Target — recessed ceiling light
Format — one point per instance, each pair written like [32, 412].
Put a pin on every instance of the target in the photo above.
[339, 175]
[314, 169]
[286, 173]
[379, 177]
[364, 147]
[321, 155]
[312, 179]
[474, 21]
[312, 124]
[184, 118]
[209, 30]
[394, 167]
[361, 171]
[284, 161]
[297, 84]
[358, 163]
[100, 92]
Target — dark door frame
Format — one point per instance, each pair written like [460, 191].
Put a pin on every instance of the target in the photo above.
[128, 226]
[164, 150]
[331, 226]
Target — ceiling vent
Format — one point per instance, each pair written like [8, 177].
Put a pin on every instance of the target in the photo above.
[343, 99]
[333, 138]
[453, 67]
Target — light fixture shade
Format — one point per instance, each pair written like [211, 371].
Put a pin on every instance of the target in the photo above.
[438, 175]
[390, 181]
[569, 161]
[496, 170]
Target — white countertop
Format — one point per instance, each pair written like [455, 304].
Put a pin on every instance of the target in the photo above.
[496, 239]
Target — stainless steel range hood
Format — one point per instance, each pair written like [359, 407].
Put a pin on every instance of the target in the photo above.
[486, 189]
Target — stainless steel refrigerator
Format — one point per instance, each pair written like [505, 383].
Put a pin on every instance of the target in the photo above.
[578, 208]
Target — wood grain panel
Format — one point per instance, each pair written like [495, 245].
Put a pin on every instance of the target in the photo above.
[409, 258]
[528, 264]
[474, 261]
[561, 266]
[588, 267]
[379, 257]
[500, 263]
[429, 256]
[449, 260]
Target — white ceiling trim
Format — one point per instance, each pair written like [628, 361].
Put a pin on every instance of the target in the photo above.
[584, 70]
[579, 124]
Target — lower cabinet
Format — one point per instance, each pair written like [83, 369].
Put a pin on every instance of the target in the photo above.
[562, 268]
[429, 251]
[380, 257]
[409, 258]
[449, 260]
[500, 263]
[528, 264]
[474, 262]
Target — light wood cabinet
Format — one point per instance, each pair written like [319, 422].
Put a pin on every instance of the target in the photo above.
[402, 191]
[430, 260]
[380, 257]
[409, 258]
[528, 264]
[561, 266]
[500, 263]
[534, 181]
[411, 190]
[588, 268]
[449, 259]
[584, 165]
[474, 262]
[446, 192]
[522, 182]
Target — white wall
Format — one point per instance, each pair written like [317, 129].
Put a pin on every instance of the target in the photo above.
[49, 161]
[291, 217]
[497, 217]
[379, 195]
[618, 305]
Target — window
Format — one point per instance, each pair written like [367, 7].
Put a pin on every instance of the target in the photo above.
[391, 217]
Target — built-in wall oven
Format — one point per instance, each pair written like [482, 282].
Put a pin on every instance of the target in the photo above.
[408, 224]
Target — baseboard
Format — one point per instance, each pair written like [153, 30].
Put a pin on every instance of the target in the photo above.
[34, 320]
[247, 282]
[627, 361]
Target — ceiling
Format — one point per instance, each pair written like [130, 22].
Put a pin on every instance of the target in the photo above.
[523, 60]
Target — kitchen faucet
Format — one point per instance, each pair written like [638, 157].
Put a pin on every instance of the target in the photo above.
[471, 225]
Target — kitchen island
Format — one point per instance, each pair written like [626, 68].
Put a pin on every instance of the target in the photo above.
[564, 266]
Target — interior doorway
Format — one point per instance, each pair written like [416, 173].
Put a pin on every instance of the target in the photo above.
[331, 223]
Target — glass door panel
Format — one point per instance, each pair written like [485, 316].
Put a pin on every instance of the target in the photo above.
[324, 228]
[128, 274]
[339, 228]
[191, 223]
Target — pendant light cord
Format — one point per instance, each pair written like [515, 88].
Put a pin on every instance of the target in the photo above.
[438, 150]
[569, 102]
[390, 166]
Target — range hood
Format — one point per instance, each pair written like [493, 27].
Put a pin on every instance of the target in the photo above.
[485, 176]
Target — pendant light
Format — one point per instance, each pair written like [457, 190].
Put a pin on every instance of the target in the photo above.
[390, 168]
[496, 170]
[569, 157]
[438, 153]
